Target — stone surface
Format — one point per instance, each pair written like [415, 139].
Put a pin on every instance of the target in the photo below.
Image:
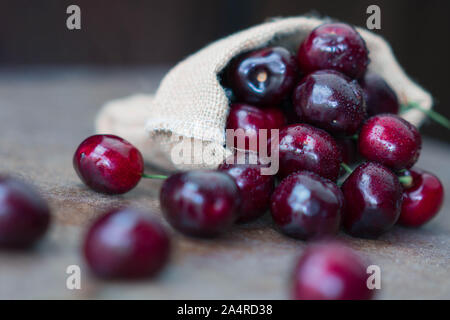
[46, 113]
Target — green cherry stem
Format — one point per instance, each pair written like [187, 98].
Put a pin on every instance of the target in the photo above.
[443, 121]
[406, 181]
[154, 176]
[346, 167]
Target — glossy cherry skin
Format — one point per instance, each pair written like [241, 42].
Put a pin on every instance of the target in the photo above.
[252, 119]
[306, 206]
[126, 244]
[422, 200]
[330, 271]
[379, 96]
[391, 141]
[108, 164]
[263, 77]
[329, 100]
[24, 214]
[334, 46]
[254, 187]
[373, 199]
[304, 147]
[200, 203]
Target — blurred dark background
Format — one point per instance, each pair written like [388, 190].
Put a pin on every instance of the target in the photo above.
[138, 32]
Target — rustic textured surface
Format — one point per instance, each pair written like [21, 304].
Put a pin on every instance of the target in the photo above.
[44, 114]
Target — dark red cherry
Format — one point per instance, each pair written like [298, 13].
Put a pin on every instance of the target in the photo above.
[422, 200]
[304, 147]
[330, 271]
[252, 119]
[200, 203]
[331, 101]
[125, 243]
[108, 164]
[24, 214]
[263, 77]
[334, 46]
[306, 206]
[379, 96]
[373, 199]
[255, 188]
[391, 141]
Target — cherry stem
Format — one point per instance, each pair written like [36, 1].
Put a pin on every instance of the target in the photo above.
[355, 137]
[154, 176]
[443, 121]
[346, 167]
[406, 181]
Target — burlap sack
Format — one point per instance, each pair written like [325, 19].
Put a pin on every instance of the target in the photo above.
[191, 105]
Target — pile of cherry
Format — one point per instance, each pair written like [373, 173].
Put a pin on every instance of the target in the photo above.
[331, 114]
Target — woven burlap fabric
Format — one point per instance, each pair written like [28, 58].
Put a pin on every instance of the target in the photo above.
[190, 104]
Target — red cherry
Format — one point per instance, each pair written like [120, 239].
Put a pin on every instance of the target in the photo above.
[305, 206]
[24, 214]
[334, 46]
[330, 271]
[108, 164]
[252, 119]
[263, 77]
[373, 199]
[331, 101]
[422, 200]
[255, 189]
[200, 203]
[304, 147]
[125, 243]
[379, 96]
[391, 141]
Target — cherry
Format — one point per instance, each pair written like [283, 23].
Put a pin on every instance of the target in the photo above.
[125, 243]
[330, 271]
[200, 203]
[255, 188]
[336, 46]
[373, 199]
[252, 119]
[422, 200]
[379, 96]
[108, 164]
[305, 206]
[304, 147]
[263, 77]
[331, 101]
[24, 214]
[391, 141]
